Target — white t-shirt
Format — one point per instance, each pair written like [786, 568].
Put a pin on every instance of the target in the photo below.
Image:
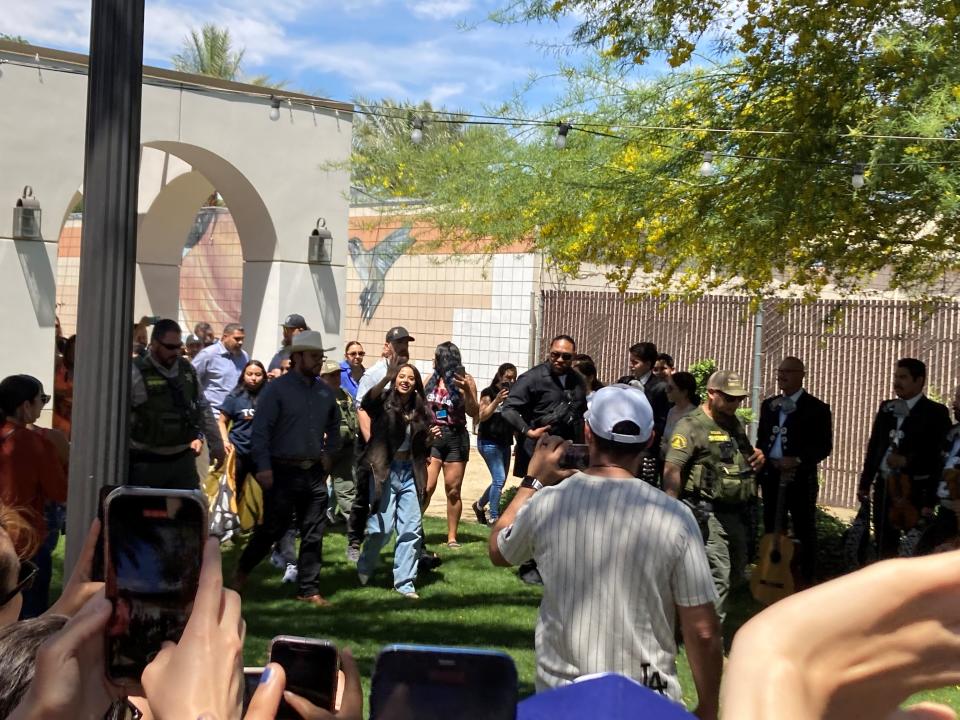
[616, 556]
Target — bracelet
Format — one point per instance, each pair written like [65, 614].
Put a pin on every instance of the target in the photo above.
[531, 483]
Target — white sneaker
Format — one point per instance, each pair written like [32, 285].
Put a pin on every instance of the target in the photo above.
[276, 559]
[290, 574]
[364, 579]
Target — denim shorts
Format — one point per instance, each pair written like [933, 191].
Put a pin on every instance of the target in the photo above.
[453, 445]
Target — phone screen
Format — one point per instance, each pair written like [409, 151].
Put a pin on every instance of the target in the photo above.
[96, 570]
[576, 457]
[154, 550]
[311, 667]
[440, 683]
[251, 680]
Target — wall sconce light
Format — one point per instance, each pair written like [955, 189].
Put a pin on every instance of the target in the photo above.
[320, 244]
[26, 217]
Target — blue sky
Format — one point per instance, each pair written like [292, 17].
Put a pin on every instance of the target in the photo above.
[403, 49]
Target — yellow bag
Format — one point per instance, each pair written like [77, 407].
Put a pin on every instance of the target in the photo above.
[250, 504]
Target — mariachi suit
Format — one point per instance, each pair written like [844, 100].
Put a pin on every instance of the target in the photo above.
[919, 439]
[944, 527]
[807, 434]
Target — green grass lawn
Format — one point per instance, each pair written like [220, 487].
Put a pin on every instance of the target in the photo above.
[465, 602]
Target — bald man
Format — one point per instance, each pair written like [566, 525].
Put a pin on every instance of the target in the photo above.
[795, 434]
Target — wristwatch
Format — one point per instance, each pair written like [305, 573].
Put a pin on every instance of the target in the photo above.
[531, 483]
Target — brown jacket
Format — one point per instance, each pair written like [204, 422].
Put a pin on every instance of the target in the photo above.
[387, 432]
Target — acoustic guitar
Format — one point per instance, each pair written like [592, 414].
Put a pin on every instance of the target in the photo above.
[773, 578]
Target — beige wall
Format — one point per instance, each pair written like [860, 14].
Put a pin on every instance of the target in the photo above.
[271, 174]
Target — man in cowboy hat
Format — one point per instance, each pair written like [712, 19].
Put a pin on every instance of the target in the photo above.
[295, 433]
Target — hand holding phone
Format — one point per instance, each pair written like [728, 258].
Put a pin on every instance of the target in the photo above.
[311, 667]
[154, 547]
[576, 457]
[201, 675]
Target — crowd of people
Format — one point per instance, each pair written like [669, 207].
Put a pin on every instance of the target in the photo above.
[636, 507]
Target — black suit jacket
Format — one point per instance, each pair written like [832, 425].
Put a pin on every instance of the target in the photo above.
[924, 430]
[808, 436]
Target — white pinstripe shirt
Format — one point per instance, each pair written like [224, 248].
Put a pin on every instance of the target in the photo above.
[616, 556]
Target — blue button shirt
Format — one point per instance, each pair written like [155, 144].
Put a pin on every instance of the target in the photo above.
[219, 371]
[296, 419]
[346, 379]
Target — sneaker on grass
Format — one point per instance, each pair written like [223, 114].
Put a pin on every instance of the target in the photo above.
[290, 574]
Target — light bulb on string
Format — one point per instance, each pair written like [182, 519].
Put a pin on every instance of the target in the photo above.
[560, 141]
[274, 108]
[858, 180]
[706, 167]
[416, 135]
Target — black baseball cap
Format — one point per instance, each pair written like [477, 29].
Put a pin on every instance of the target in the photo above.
[295, 321]
[398, 333]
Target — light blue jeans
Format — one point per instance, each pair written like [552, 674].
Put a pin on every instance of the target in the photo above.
[497, 457]
[399, 508]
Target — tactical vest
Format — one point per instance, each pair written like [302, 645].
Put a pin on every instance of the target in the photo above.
[348, 418]
[171, 414]
[724, 475]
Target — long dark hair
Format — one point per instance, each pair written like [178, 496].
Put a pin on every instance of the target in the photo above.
[687, 384]
[15, 390]
[415, 403]
[446, 360]
[241, 387]
[498, 378]
[584, 365]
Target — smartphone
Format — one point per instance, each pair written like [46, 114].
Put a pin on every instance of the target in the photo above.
[251, 680]
[97, 569]
[437, 683]
[576, 457]
[311, 667]
[153, 551]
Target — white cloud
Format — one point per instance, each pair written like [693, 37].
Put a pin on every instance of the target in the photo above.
[440, 93]
[439, 9]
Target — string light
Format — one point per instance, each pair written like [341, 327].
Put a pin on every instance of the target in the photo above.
[274, 108]
[706, 167]
[416, 135]
[560, 141]
[858, 179]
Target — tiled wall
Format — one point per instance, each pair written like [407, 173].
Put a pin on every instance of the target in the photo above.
[482, 304]
[68, 273]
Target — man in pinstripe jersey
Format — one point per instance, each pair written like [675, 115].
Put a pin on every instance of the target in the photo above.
[612, 591]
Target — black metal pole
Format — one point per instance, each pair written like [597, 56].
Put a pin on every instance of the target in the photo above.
[108, 254]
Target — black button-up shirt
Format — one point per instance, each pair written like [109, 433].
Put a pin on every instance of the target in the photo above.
[537, 392]
[296, 419]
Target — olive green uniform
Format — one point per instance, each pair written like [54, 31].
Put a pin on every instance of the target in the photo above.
[342, 474]
[717, 483]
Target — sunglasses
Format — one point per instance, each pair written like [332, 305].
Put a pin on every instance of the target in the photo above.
[356, 354]
[45, 398]
[172, 346]
[28, 571]
[554, 355]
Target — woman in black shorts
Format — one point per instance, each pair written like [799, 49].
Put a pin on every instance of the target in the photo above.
[451, 397]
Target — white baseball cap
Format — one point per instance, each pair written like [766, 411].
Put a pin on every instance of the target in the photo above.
[619, 403]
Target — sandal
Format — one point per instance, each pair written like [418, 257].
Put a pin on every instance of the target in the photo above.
[454, 545]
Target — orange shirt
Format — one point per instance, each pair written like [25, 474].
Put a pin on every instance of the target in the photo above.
[62, 398]
[30, 473]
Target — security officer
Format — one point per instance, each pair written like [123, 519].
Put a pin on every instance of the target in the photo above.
[711, 466]
[170, 417]
[342, 477]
